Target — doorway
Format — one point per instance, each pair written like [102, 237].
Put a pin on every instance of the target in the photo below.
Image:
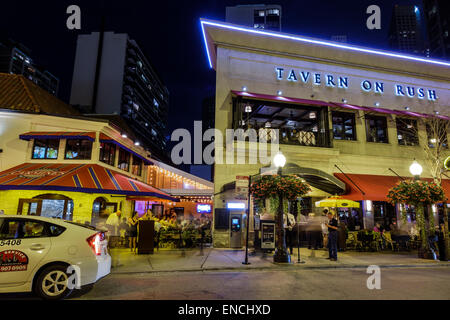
[29, 207]
[101, 209]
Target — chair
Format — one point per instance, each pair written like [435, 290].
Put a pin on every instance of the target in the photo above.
[352, 240]
[388, 238]
[366, 238]
[377, 241]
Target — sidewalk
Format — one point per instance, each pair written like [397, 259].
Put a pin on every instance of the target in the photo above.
[214, 259]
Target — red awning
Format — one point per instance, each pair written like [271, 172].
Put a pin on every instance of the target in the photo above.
[58, 135]
[375, 187]
[89, 178]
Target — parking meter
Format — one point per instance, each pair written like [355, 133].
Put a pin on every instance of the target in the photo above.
[236, 230]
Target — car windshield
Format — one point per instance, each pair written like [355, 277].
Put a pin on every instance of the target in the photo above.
[83, 225]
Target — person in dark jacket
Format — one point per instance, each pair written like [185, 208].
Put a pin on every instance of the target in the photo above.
[132, 230]
[332, 226]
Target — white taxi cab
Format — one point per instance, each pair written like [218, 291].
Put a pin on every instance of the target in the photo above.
[49, 256]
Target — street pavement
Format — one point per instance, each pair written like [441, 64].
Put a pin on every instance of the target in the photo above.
[396, 283]
[220, 274]
[215, 259]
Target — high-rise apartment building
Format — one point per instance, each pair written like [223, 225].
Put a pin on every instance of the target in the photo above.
[437, 17]
[259, 16]
[339, 38]
[15, 58]
[112, 76]
[405, 30]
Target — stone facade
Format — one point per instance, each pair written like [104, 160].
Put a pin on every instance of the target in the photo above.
[249, 60]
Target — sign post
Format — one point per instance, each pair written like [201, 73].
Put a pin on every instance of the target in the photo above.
[243, 186]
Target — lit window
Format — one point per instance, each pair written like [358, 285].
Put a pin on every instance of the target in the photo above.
[136, 167]
[344, 126]
[45, 149]
[407, 132]
[275, 12]
[437, 134]
[376, 129]
[78, 149]
[124, 160]
[107, 153]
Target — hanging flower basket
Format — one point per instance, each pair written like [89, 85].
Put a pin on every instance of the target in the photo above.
[291, 187]
[416, 192]
[420, 194]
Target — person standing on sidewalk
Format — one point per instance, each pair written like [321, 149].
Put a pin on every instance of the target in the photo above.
[332, 236]
[323, 220]
[112, 223]
[289, 223]
[132, 231]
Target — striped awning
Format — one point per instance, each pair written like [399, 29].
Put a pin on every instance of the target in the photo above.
[87, 178]
[58, 135]
[106, 139]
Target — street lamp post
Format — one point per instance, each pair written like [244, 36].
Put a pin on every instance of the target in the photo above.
[298, 234]
[416, 170]
[281, 253]
[248, 220]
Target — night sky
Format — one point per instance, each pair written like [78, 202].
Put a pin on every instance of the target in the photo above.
[169, 33]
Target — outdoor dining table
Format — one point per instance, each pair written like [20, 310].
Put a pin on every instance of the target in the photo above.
[367, 238]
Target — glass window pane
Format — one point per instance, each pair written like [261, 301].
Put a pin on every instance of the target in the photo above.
[124, 160]
[45, 149]
[137, 166]
[78, 149]
[343, 126]
[376, 129]
[108, 153]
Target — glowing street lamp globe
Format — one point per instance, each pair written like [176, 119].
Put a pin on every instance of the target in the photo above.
[279, 160]
[415, 168]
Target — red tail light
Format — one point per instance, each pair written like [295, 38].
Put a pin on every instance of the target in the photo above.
[94, 242]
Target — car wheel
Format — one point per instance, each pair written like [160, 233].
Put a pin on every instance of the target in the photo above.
[52, 283]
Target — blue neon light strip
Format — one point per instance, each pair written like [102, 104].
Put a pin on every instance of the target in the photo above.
[90, 190]
[206, 44]
[28, 137]
[319, 42]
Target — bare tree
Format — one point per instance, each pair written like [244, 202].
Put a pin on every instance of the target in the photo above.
[436, 150]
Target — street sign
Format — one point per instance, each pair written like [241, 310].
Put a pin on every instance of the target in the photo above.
[257, 222]
[242, 186]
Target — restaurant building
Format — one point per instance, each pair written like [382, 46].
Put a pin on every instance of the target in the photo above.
[343, 114]
[79, 168]
[70, 168]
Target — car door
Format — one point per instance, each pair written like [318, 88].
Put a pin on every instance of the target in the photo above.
[23, 245]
